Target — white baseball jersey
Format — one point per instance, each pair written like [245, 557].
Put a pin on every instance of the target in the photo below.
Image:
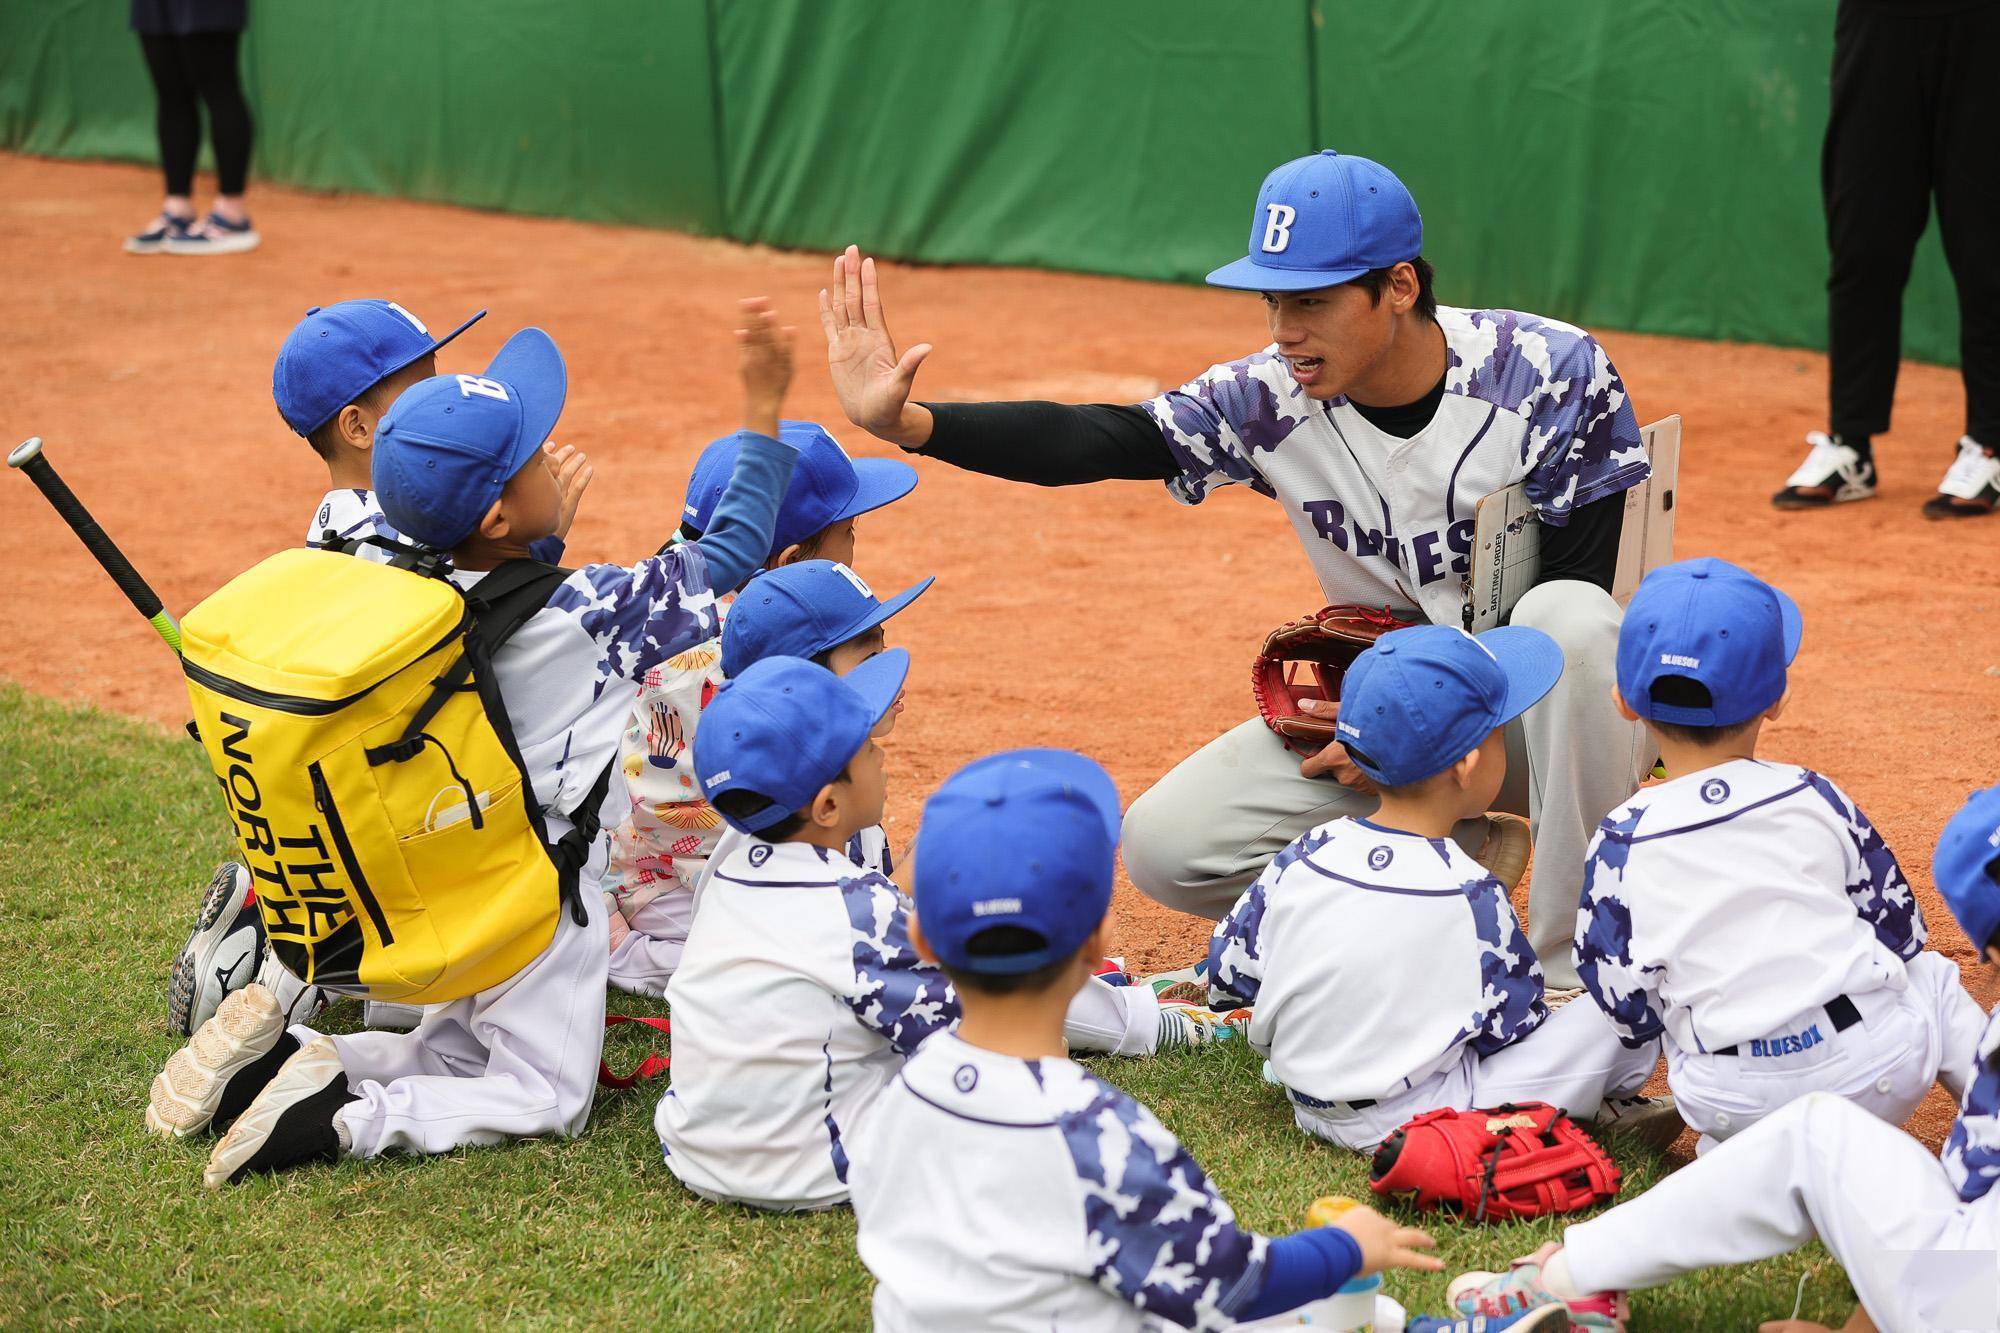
[998, 1193]
[1388, 521]
[349, 512]
[1374, 959]
[797, 998]
[1719, 906]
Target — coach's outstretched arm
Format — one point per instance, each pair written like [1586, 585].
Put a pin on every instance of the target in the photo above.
[1048, 444]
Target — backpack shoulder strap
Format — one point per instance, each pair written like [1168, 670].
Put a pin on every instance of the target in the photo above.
[508, 598]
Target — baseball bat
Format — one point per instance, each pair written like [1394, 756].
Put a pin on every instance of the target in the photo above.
[28, 458]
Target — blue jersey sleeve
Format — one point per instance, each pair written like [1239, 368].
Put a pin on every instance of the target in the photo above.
[738, 539]
[895, 992]
[1159, 1236]
[1880, 894]
[640, 616]
[1216, 425]
[1510, 992]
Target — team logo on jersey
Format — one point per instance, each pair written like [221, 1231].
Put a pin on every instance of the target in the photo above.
[1715, 791]
[760, 853]
[965, 1078]
[1278, 220]
[1380, 857]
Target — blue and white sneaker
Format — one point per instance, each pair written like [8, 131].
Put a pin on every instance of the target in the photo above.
[222, 952]
[214, 235]
[1545, 1319]
[153, 240]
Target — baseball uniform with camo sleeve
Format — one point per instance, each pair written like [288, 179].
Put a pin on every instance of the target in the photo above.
[797, 998]
[1387, 973]
[999, 1193]
[1727, 909]
[1389, 521]
[350, 511]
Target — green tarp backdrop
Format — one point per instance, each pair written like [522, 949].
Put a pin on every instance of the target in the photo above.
[1634, 164]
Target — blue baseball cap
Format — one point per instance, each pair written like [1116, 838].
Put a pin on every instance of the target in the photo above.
[1024, 838]
[1324, 220]
[1716, 624]
[332, 356]
[449, 445]
[1966, 866]
[802, 610]
[826, 486]
[1423, 698]
[787, 727]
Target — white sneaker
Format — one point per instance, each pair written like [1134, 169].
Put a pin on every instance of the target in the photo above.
[295, 1119]
[1832, 474]
[1971, 486]
[221, 953]
[207, 1083]
[301, 1003]
[1198, 1025]
[1652, 1121]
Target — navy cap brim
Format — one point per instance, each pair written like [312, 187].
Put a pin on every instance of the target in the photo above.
[1248, 275]
[877, 615]
[1532, 661]
[881, 481]
[880, 679]
[531, 365]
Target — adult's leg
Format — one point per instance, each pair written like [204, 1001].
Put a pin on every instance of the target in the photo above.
[1968, 201]
[1574, 1060]
[1199, 835]
[1875, 177]
[212, 61]
[1820, 1167]
[1584, 759]
[176, 115]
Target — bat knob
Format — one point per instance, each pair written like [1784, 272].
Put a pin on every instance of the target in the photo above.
[27, 453]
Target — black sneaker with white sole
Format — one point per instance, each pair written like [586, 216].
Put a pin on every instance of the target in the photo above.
[1971, 487]
[222, 953]
[294, 1120]
[1833, 473]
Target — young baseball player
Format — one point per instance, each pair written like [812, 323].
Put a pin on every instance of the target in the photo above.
[460, 466]
[666, 834]
[1916, 1235]
[336, 374]
[1746, 911]
[1388, 974]
[997, 1184]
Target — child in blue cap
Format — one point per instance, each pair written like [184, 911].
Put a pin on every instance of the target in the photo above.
[1388, 974]
[666, 835]
[336, 375]
[1916, 1235]
[460, 467]
[1745, 911]
[993, 1174]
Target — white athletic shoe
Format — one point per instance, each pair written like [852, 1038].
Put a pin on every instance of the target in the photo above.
[1654, 1122]
[295, 1119]
[1971, 487]
[221, 953]
[1198, 1025]
[301, 1003]
[207, 1083]
[1832, 474]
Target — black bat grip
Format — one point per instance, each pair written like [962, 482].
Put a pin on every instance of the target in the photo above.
[92, 536]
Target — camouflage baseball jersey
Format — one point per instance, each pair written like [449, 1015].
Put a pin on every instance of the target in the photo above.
[1322, 945]
[352, 512]
[1972, 1149]
[1388, 521]
[1720, 905]
[1001, 1193]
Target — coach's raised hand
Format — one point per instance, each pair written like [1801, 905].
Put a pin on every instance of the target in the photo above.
[872, 381]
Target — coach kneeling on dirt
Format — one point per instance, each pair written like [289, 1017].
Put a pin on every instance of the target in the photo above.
[1379, 420]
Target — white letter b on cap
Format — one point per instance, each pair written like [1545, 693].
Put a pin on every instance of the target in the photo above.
[1278, 220]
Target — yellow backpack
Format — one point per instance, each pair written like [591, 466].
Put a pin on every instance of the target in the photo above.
[350, 712]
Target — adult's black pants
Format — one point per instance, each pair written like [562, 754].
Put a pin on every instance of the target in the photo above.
[187, 71]
[1916, 116]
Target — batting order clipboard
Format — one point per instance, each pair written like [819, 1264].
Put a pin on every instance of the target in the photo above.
[1507, 534]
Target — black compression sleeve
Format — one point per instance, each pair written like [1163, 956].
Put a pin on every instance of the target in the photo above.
[1049, 444]
[1586, 547]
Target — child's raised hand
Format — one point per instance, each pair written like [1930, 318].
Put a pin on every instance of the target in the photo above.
[1387, 1244]
[765, 357]
[572, 473]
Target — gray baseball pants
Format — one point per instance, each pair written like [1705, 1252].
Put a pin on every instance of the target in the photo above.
[1197, 838]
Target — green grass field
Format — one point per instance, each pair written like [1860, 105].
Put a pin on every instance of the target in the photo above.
[106, 831]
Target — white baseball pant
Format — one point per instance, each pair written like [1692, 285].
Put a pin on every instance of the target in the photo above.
[1575, 1060]
[1918, 1257]
[1196, 839]
[1885, 1064]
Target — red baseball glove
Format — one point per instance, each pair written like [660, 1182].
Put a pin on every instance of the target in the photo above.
[1305, 659]
[1518, 1160]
